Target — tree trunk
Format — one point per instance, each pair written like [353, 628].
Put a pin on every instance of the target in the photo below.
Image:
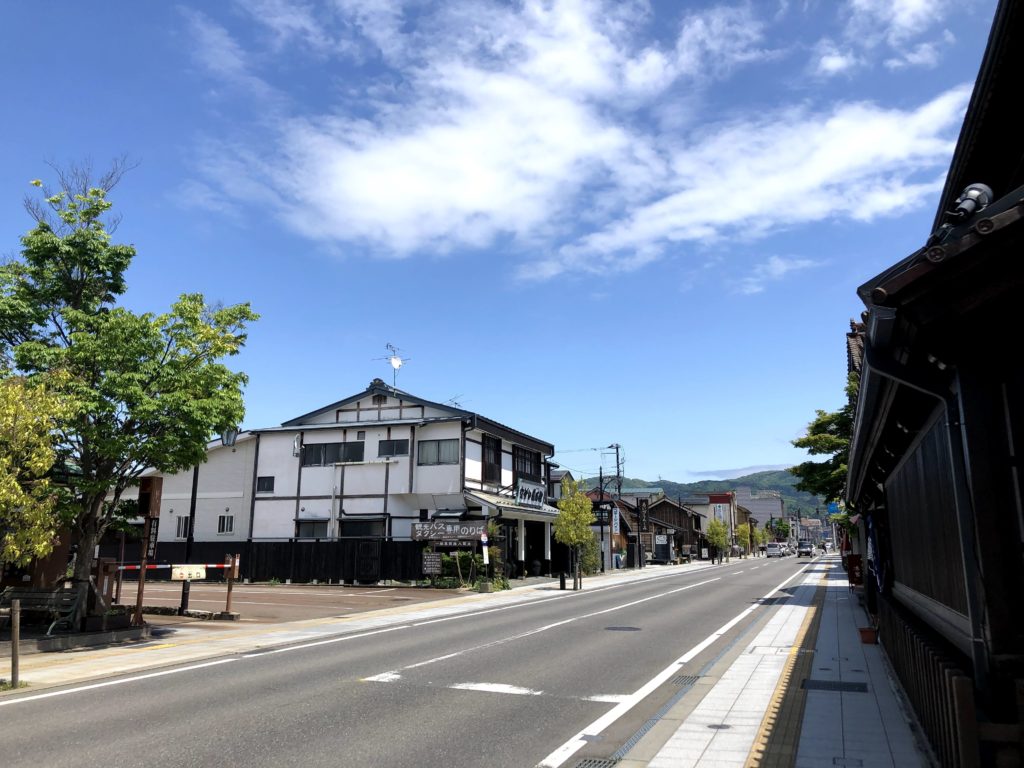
[90, 532]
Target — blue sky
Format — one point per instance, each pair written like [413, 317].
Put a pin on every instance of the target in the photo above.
[597, 222]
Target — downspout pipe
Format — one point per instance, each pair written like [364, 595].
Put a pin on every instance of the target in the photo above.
[956, 440]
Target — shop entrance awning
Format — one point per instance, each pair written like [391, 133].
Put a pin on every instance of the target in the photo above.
[508, 507]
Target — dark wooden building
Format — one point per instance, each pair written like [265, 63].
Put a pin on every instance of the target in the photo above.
[934, 467]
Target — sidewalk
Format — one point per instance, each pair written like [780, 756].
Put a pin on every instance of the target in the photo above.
[805, 692]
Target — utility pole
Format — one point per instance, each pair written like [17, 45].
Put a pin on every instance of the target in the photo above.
[600, 508]
[618, 472]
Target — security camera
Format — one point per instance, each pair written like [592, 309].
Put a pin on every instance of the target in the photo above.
[973, 199]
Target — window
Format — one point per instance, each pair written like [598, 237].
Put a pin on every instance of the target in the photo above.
[423, 515]
[361, 434]
[527, 463]
[225, 524]
[265, 484]
[311, 529]
[182, 532]
[438, 451]
[380, 399]
[325, 454]
[393, 448]
[492, 459]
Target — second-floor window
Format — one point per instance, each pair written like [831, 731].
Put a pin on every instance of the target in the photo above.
[265, 484]
[527, 464]
[325, 454]
[492, 459]
[438, 451]
[393, 448]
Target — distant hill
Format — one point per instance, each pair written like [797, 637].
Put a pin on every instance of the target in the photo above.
[796, 502]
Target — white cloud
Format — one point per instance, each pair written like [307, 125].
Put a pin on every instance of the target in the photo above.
[830, 60]
[520, 122]
[895, 20]
[221, 55]
[924, 55]
[748, 178]
[287, 21]
[773, 270]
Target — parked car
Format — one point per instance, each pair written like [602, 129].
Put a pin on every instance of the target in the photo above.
[805, 548]
[773, 549]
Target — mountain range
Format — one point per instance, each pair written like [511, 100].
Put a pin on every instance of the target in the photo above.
[796, 502]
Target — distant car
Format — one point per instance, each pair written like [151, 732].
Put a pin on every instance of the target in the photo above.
[805, 548]
[773, 549]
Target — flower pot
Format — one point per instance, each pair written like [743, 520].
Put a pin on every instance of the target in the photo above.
[868, 635]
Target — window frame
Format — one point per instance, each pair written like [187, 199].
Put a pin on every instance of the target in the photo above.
[225, 525]
[437, 446]
[521, 457]
[394, 453]
[261, 479]
[181, 531]
[340, 450]
[300, 523]
[492, 445]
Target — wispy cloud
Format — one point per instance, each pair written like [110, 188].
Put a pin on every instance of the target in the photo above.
[751, 177]
[730, 474]
[520, 123]
[830, 59]
[776, 268]
[221, 55]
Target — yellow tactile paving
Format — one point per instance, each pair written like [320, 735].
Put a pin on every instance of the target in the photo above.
[779, 736]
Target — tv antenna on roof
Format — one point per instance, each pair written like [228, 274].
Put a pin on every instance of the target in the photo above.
[396, 362]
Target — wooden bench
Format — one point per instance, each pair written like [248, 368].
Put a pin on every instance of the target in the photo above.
[59, 604]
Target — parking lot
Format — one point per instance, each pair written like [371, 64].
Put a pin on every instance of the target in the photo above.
[268, 603]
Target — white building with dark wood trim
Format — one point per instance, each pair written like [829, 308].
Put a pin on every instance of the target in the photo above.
[363, 470]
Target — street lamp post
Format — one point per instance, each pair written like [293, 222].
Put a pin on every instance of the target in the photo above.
[227, 438]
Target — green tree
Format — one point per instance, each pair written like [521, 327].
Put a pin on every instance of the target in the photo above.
[29, 518]
[743, 537]
[144, 390]
[572, 524]
[781, 530]
[828, 435]
[718, 536]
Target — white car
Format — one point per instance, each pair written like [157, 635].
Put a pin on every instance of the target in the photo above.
[773, 549]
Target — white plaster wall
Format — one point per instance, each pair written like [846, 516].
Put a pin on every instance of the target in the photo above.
[225, 482]
[474, 460]
[276, 461]
[364, 507]
[274, 519]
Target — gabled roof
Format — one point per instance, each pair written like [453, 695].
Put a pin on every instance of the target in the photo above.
[378, 387]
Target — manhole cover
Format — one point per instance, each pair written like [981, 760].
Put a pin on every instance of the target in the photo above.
[623, 629]
[835, 685]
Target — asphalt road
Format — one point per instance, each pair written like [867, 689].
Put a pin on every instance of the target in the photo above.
[504, 686]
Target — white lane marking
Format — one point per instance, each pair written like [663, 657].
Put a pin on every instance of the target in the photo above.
[573, 745]
[737, 573]
[105, 684]
[546, 627]
[383, 677]
[496, 688]
[328, 641]
[549, 599]
[611, 698]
